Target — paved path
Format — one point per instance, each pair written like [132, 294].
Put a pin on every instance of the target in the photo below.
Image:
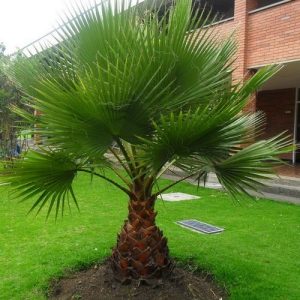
[283, 189]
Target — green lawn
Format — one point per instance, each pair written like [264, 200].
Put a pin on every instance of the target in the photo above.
[257, 257]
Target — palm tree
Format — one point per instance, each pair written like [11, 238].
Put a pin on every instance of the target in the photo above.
[162, 94]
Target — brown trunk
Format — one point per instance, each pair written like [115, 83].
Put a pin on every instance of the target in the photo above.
[141, 251]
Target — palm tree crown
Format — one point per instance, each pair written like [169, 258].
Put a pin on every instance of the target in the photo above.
[157, 89]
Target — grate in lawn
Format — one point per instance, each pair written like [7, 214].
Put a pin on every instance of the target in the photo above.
[200, 226]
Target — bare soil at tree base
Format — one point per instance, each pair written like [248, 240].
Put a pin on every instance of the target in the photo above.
[98, 283]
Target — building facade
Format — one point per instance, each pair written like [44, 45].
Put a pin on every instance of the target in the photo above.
[268, 32]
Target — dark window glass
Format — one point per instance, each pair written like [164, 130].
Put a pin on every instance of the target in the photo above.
[211, 10]
[262, 3]
[223, 9]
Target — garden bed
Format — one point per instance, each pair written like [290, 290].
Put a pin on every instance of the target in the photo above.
[98, 282]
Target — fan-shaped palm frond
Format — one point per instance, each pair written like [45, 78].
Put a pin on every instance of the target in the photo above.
[143, 82]
[246, 169]
[47, 175]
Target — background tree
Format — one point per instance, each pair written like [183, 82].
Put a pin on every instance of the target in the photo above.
[163, 96]
[9, 96]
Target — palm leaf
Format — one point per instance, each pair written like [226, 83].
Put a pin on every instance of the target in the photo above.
[152, 84]
[46, 175]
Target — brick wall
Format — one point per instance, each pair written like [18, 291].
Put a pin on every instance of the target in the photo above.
[273, 34]
[240, 20]
[264, 37]
[225, 28]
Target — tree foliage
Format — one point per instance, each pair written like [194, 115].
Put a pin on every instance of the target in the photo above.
[10, 95]
[159, 91]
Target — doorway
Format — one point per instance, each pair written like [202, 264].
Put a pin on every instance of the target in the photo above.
[278, 106]
[297, 127]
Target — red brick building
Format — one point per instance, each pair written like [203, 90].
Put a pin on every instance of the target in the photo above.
[268, 32]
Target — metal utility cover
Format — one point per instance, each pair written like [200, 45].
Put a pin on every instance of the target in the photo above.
[200, 226]
[174, 197]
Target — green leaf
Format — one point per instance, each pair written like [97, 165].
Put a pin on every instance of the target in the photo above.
[46, 175]
[151, 83]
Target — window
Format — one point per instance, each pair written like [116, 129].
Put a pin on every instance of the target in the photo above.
[217, 10]
[223, 9]
[263, 3]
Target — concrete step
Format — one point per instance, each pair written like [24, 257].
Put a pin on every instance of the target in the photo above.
[287, 181]
[281, 189]
[284, 189]
[276, 197]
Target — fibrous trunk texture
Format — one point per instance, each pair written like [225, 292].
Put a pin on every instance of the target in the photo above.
[141, 252]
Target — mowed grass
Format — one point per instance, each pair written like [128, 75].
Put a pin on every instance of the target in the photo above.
[257, 257]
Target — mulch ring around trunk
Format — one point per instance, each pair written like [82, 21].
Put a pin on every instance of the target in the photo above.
[98, 283]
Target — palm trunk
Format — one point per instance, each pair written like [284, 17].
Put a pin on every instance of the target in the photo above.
[141, 251]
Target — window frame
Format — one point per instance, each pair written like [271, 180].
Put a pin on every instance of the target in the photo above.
[269, 6]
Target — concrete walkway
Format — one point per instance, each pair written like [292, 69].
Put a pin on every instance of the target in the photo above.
[283, 188]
